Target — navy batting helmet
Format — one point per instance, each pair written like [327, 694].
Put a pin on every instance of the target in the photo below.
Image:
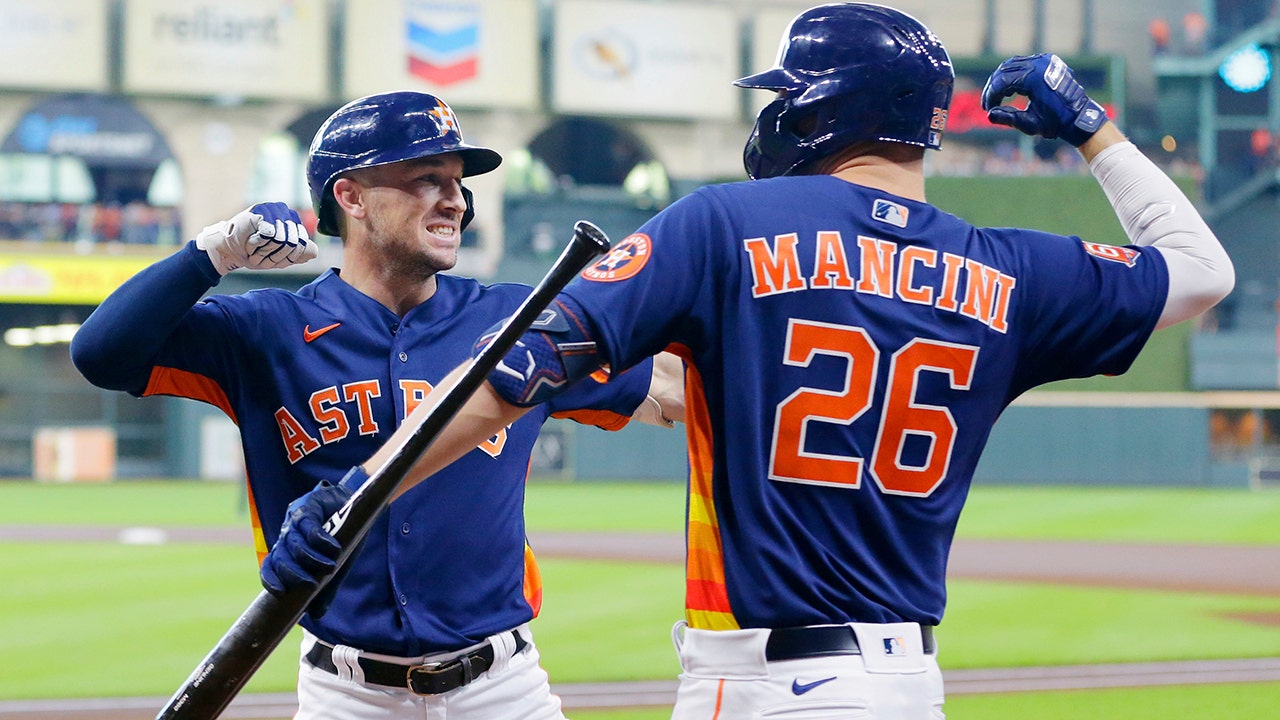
[849, 72]
[383, 129]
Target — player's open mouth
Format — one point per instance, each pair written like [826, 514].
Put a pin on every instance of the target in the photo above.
[442, 230]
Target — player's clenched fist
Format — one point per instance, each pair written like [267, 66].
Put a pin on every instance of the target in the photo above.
[1059, 106]
[305, 552]
[267, 235]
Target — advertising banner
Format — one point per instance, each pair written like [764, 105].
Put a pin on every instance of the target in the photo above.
[54, 45]
[65, 280]
[472, 53]
[643, 59]
[102, 130]
[265, 49]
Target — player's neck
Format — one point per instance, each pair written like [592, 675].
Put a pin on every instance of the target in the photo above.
[394, 290]
[892, 167]
[904, 179]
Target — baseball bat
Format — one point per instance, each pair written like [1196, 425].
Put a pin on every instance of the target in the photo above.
[268, 619]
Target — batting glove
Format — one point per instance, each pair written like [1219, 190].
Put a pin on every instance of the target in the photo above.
[1058, 104]
[305, 553]
[267, 235]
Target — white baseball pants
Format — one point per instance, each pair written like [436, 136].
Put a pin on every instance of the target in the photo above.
[726, 676]
[515, 688]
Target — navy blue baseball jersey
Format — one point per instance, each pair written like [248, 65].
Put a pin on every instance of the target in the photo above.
[849, 352]
[317, 381]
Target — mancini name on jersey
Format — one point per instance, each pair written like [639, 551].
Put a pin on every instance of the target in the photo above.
[910, 273]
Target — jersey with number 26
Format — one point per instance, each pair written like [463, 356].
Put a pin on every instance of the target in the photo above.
[848, 352]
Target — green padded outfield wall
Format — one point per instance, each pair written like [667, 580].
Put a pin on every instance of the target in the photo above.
[1069, 205]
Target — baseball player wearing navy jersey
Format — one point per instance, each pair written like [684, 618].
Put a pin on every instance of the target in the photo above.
[848, 349]
[431, 618]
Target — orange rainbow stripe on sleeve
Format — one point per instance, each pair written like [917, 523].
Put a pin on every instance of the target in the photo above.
[603, 419]
[183, 383]
[706, 596]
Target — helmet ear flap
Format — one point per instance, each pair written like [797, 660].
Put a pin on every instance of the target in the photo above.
[470, 213]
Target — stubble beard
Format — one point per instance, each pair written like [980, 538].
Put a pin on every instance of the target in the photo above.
[403, 253]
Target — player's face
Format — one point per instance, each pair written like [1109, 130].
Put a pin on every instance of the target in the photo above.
[414, 213]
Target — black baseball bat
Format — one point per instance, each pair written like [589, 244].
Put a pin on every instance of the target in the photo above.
[266, 622]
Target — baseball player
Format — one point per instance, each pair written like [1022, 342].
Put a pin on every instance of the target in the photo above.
[431, 618]
[849, 347]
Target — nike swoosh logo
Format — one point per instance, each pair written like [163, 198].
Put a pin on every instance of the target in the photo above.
[799, 688]
[308, 335]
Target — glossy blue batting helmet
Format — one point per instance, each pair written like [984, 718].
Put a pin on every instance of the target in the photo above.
[383, 129]
[849, 72]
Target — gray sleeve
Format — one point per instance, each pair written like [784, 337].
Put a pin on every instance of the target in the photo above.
[1154, 212]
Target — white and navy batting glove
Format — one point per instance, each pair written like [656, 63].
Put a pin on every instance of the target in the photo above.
[1059, 107]
[267, 235]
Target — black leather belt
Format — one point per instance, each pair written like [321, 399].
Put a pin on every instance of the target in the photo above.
[428, 679]
[821, 640]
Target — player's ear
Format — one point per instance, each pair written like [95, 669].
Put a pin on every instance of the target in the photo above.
[350, 196]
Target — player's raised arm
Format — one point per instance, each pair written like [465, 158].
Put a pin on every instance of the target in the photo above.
[1150, 207]
[115, 347]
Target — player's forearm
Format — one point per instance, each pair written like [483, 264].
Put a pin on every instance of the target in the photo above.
[482, 417]
[115, 346]
[1106, 136]
[1154, 212]
[664, 405]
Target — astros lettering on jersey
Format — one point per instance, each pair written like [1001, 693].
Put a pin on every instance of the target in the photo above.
[317, 380]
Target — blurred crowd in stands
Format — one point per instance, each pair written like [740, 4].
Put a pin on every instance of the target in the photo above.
[134, 223]
[1194, 36]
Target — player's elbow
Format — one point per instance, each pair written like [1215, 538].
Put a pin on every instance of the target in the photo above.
[1195, 286]
[1215, 289]
[85, 358]
[1217, 278]
[1224, 283]
[96, 363]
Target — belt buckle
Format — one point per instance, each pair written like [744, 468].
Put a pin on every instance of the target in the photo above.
[430, 670]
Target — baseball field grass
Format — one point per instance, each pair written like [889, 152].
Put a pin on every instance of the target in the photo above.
[145, 614]
[1200, 702]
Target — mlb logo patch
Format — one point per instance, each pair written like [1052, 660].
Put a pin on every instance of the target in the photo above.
[894, 647]
[890, 212]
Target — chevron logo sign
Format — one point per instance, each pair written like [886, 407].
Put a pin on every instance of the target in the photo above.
[443, 41]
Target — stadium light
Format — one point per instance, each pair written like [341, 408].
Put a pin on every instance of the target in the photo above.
[1246, 70]
[40, 335]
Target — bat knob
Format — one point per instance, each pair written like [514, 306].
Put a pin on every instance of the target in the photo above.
[588, 234]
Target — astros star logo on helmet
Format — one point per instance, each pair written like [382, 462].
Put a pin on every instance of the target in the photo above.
[445, 117]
